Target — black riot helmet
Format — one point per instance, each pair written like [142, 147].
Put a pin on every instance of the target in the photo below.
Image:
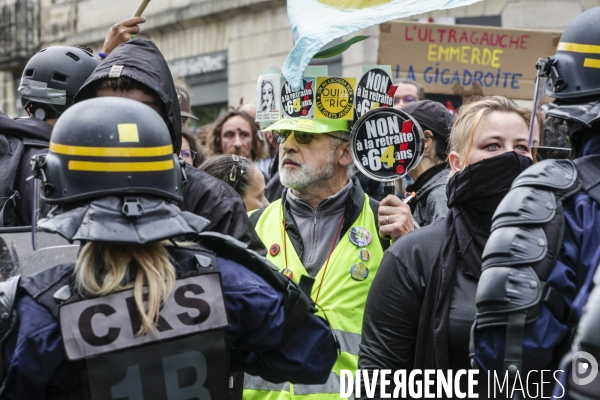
[575, 69]
[53, 76]
[109, 146]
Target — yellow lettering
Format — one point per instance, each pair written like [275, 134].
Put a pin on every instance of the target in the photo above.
[432, 53]
[464, 54]
[388, 156]
[487, 57]
[496, 58]
[443, 53]
[452, 53]
[475, 56]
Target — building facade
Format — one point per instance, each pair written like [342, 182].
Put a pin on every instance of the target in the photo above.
[219, 47]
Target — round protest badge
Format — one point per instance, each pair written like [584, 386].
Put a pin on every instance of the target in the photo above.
[372, 91]
[335, 98]
[386, 144]
[364, 254]
[274, 250]
[298, 103]
[360, 236]
[359, 272]
[288, 272]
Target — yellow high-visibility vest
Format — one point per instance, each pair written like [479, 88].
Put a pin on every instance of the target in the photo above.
[342, 297]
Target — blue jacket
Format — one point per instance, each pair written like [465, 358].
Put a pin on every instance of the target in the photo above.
[34, 358]
[571, 276]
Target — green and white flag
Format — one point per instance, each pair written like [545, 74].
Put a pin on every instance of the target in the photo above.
[318, 22]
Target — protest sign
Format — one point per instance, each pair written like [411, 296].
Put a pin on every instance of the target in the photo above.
[464, 60]
[268, 105]
[386, 144]
[334, 98]
[298, 103]
[372, 91]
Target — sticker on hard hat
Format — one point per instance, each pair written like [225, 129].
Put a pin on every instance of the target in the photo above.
[372, 91]
[268, 105]
[298, 103]
[386, 144]
[335, 98]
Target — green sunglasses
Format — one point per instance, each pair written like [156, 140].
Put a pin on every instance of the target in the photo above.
[301, 137]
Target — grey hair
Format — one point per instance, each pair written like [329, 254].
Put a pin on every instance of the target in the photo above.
[335, 143]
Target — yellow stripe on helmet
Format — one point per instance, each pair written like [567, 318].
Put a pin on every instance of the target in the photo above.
[111, 151]
[591, 63]
[92, 166]
[579, 48]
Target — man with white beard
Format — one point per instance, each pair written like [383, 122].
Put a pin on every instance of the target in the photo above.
[326, 228]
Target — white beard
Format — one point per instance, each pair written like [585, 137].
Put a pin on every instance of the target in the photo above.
[305, 178]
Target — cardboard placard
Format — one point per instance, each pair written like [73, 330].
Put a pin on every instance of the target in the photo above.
[372, 91]
[386, 144]
[334, 98]
[466, 60]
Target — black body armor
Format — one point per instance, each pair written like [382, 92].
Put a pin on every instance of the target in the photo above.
[526, 239]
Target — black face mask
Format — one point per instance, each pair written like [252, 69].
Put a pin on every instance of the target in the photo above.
[482, 185]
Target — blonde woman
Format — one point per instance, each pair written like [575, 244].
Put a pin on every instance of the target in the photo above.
[421, 306]
[138, 315]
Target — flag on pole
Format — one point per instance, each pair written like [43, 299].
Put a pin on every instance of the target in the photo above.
[317, 22]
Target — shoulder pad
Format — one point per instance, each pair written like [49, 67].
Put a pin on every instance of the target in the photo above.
[8, 294]
[551, 174]
[229, 247]
[503, 290]
[298, 303]
[511, 245]
[43, 285]
[524, 206]
[192, 260]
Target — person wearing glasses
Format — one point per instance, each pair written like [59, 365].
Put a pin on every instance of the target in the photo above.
[191, 150]
[324, 228]
[241, 174]
[408, 91]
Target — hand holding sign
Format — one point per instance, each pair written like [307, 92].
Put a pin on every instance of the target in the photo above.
[121, 32]
[394, 217]
[386, 145]
[125, 30]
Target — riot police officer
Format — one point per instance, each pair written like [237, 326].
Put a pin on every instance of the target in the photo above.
[49, 83]
[542, 253]
[139, 314]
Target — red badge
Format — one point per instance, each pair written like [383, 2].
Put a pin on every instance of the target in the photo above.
[274, 250]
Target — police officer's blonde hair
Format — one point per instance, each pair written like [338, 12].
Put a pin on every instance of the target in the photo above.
[105, 268]
[469, 117]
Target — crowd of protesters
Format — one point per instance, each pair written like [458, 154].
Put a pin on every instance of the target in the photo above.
[483, 258]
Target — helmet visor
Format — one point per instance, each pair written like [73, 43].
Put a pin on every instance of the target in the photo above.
[547, 143]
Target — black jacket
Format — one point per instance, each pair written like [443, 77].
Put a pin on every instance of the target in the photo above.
[394, 303]
[143, 62]
[431, 202]
[35, 134]
[203, 195]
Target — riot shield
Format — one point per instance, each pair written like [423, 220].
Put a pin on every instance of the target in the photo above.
[17, 256]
